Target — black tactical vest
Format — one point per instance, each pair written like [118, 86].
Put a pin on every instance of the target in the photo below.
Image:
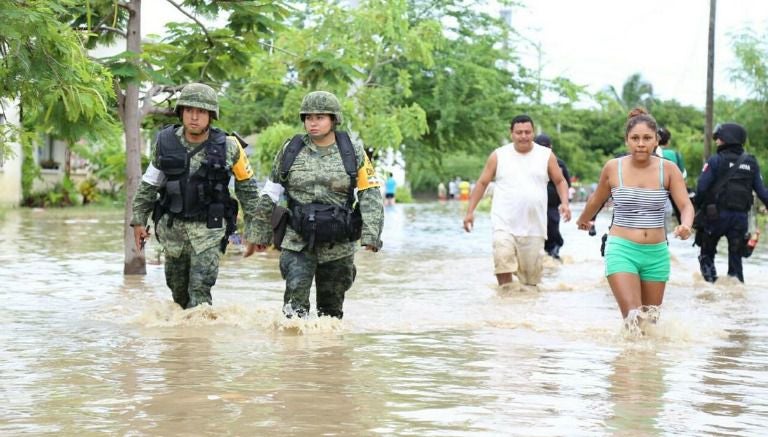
[320, 223]
[736, 194]
[204, 195]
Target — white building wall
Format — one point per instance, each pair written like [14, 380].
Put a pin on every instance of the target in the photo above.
[10, 167]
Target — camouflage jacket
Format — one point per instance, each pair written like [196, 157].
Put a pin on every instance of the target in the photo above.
[317, 175]
[197, 233]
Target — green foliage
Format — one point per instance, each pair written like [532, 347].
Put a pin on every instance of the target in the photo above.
[403, 194]
[437, 80]
[30, 171]
[89, 191]
[268, 144]
[46, 67]
[107, 161]
[415, 83]
[635, 92]
[459, 163]
[254, 101]
[62, 194]
[752, 115]
[751, 50]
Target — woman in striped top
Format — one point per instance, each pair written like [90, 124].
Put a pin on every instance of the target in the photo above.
[636, 255]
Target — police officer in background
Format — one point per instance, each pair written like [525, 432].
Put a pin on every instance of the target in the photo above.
[554, 240]
[324, 187]
[724, 197]
[185, 189]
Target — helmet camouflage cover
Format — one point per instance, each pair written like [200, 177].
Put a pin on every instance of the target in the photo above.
[198, 95]
[321, 102]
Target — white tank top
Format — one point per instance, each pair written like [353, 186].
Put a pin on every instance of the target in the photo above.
[520, 194]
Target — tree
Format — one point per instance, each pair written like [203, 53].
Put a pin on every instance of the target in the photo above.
[424, 77]
[46, 70]
[635, 92]
[751, 49]
[147, 71]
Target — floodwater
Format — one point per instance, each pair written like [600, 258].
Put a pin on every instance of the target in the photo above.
[426, 348]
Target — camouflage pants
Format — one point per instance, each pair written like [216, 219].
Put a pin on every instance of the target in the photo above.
[191, 276]
[332, 280]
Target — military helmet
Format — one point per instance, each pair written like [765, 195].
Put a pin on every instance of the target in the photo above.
[730, 133]
[198, 95]
[321, 102]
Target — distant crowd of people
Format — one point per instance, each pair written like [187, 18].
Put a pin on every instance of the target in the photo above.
[457, 189]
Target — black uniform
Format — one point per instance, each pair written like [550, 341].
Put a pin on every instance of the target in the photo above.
[724, 213]
[554, 239]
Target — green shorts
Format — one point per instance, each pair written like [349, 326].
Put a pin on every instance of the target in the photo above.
[649, 261]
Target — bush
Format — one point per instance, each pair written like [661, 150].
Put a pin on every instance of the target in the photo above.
[62, 194]
[403, 194]
[89, 190]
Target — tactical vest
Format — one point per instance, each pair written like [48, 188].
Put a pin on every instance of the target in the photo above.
[202, 196]
[322, 223]
[736, 194]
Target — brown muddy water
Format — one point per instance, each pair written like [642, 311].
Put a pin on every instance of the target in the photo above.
[426, 347]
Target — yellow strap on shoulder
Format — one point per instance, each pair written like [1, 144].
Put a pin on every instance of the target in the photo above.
[242, 168]
[366, 176]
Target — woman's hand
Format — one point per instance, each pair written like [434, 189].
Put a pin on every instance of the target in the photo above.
[682, 232]
[584, 225]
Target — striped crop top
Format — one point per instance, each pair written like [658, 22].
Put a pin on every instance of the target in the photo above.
[643, 208]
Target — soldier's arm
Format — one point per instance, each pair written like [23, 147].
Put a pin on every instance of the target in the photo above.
[265, 204]
[146, 195]
[706, 179]
[371, 203]
[246, 188]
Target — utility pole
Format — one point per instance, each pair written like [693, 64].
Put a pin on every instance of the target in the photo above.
[710, 80]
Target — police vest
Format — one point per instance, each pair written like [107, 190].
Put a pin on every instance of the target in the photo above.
[321, 223]
[204, 195]
[736, 194]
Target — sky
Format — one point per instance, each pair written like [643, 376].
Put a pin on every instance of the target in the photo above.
[600, 43]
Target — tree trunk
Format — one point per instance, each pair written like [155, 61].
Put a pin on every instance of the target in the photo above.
[135, 263]
[708, 110]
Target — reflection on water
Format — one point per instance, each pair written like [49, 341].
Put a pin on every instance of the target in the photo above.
[426, 347]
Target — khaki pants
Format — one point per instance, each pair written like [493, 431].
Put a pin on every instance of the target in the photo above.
[521, 256]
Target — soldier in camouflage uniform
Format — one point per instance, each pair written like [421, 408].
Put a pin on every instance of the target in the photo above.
[194, 158]
[318, 176]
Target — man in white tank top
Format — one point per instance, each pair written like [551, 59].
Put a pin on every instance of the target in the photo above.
[521, 171]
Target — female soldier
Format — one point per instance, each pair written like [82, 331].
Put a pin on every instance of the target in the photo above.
[636, 255]
[326, 179]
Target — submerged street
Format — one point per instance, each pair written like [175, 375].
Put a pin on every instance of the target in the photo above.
[426, 346]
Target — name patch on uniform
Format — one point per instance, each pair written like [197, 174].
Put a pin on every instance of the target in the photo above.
[366, 176]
